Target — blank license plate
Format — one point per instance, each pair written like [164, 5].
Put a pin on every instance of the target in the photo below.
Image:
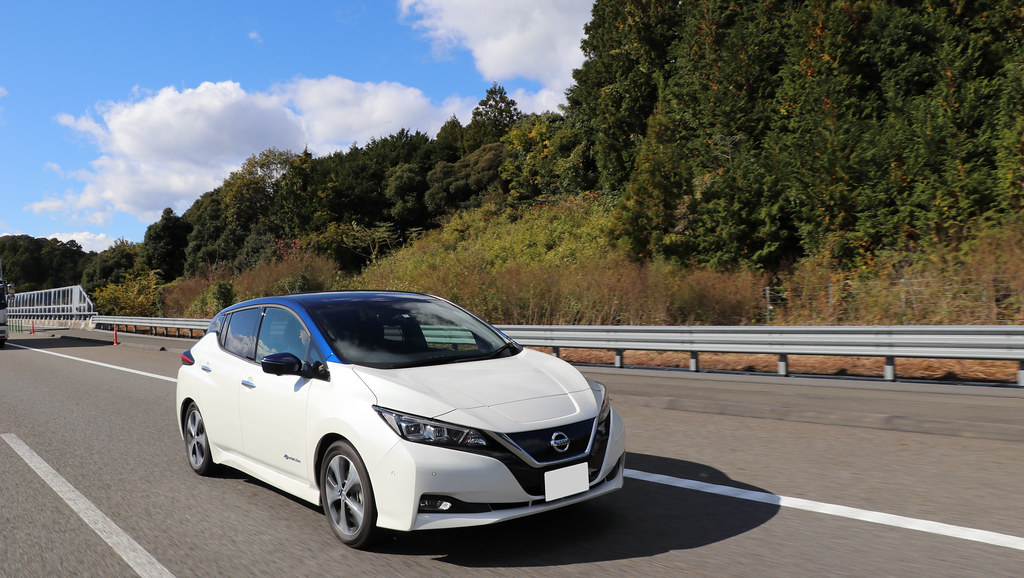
[566, 482]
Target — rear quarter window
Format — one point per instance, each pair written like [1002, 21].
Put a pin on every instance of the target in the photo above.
[216, 325]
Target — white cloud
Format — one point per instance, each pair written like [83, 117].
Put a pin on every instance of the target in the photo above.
[338, 111]
[255, 36]
[88, 241]
[166, 148]
[534, 39]
[206, 126]
[51, 205]
[3, 92]
[85, 125]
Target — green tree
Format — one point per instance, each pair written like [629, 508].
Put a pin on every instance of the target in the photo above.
[353, 245]
[249, 191]
[703, 189]
[450, 140]
[405, 187]
[32, 264]
[137, 295]
[206, 243]
[493, 116]
[626, 47]
[296, 209]
[467, 182]
[163, 247]
[112, 265]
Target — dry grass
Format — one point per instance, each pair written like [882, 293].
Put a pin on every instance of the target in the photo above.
[177, 298]
[906, 368]
[980, 282]
[298, 272]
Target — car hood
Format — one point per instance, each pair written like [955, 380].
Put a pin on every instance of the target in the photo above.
[498, 394]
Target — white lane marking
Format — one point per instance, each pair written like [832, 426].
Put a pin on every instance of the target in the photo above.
[128, 549]
[99, 363]
[986, 537]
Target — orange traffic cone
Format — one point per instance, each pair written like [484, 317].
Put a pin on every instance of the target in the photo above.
[115, 335]
[33, 328]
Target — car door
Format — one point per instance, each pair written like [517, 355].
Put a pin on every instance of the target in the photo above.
[272, 408]
[226, 362]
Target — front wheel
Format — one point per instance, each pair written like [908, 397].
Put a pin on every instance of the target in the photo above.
[197, 444]
[347, 497]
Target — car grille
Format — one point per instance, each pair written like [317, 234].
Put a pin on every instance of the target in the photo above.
[535, 446]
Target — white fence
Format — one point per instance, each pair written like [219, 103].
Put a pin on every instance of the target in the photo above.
[63, 304]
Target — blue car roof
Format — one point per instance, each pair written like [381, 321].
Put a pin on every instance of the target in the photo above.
[301, 303]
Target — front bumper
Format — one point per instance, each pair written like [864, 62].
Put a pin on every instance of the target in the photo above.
[483, 488]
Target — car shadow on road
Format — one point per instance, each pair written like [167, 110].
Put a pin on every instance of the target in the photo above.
[641, 520]
[54, 341]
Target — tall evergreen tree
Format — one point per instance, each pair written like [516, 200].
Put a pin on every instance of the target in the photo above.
[493, 116]
[163, 247]
[626, 48]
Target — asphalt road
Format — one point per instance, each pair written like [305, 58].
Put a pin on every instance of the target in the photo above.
[728, 476]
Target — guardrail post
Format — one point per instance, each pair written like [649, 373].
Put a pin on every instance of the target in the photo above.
[618, 358]
[783, 364]
[556, 351]
[890, 369]
[1020, 374]
[694, 361]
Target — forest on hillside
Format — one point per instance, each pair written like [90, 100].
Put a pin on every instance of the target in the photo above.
[717, 135]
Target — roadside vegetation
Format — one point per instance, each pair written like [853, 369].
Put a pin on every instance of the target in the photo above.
[717, 162]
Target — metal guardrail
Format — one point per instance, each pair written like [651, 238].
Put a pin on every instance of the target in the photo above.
[990, 342]
[987, 342]
[152, 324]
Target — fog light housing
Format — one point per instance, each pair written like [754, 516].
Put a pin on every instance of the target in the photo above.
[435, 504]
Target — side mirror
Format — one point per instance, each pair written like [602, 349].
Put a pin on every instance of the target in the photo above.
[320, 371]
[282, 364]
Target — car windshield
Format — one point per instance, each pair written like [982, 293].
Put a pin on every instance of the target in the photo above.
[390, 333]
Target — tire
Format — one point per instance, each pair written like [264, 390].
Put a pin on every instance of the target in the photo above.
[347, 497]
[197, 444]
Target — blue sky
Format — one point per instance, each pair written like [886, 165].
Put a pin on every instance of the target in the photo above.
[111, 111]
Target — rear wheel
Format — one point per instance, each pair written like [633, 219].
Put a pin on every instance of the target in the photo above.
[197, 444]
[347, 497]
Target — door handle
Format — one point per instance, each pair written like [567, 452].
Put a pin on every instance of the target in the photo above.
[206, 368]
[248, 384]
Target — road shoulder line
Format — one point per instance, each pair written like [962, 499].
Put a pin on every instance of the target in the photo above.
[99, 363]
[124, 545]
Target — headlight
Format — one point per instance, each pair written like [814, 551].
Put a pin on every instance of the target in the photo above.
[427, 431]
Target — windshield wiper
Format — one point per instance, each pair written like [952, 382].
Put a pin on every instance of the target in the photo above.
[509, 345]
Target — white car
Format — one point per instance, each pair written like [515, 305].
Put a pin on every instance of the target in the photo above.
[394, 410]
